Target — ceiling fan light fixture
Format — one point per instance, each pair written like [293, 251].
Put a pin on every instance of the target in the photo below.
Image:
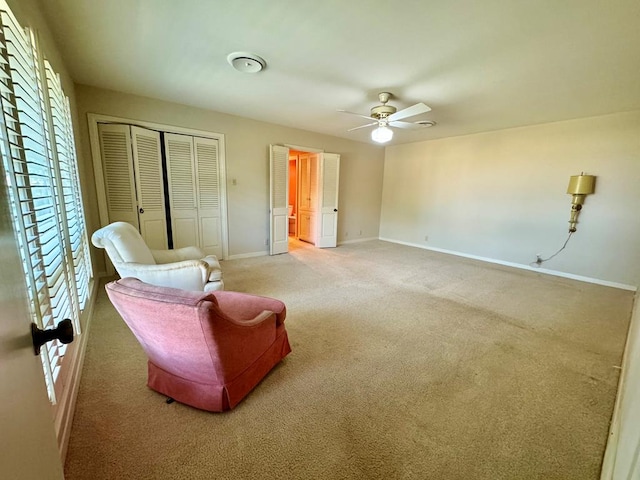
[382, 134]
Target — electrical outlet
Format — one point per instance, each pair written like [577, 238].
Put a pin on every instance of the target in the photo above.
[346, 234]
[539, 258]
[359, 232]
[266, 242]
[426, 238]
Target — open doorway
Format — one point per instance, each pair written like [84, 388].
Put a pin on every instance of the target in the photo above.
[303, 197]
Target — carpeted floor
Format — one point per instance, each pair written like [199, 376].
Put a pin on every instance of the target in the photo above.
[406, 364]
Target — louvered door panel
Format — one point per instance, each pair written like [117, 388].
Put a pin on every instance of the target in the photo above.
[207, 164]
[149, 186]
[117, 160]
[182, 190]
[279, 225]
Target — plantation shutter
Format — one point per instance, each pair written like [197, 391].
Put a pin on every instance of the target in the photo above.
[80, 259]
[42, 185]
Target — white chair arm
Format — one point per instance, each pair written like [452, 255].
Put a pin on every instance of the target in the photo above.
[188, 274]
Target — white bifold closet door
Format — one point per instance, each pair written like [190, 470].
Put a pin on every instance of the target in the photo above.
[194, 192]
[132, 166]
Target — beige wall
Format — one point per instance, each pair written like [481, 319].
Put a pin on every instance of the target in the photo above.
[502, 195]
[247, 161]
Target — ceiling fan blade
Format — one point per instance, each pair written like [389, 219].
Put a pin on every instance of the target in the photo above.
[362, 126]
[356, 114]
[409, 125]
[411, 111]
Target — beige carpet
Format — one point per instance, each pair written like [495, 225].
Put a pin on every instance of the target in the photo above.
[406, 364]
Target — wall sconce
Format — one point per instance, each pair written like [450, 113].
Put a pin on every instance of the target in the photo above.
[579, 186]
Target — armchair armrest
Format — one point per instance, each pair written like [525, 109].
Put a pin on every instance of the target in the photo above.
[187, 274]
[244, 307]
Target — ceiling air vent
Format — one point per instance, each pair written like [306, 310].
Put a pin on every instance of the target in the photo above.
[246, 62]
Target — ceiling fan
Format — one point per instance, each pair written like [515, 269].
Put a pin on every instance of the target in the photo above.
[386, 116]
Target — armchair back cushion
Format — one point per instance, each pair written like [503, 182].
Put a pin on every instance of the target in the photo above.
[123, 243]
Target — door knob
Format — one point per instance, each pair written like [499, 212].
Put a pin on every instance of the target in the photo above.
[141, 210]
[335, 209]
[63, 332]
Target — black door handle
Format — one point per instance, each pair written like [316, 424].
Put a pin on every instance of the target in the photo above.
[335, 209]
[63, 332]
[141, 210]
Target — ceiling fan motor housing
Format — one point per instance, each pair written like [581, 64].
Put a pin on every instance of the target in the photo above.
[382, 111]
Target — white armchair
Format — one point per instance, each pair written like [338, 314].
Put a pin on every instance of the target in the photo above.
[186, 268]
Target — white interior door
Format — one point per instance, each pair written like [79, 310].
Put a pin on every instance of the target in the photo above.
[28, 445]
[117, 164]
[182, 190]
[147, 162]
[622, 456]
[209, 195]
[327, 211]
[278, 200]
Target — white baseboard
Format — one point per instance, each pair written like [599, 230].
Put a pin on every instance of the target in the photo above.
[581, 278]
[247, 255]
[357, 240]
[261, 254]
[67, 404]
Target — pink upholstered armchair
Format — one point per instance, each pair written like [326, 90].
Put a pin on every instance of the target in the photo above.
[207, 350]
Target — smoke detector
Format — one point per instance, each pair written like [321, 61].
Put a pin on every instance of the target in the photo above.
[246, 62]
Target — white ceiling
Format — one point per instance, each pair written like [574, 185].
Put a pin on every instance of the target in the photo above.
[480, 65]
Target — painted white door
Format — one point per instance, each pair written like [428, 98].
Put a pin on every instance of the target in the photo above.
[117, 164]
[278, 200]
[622, 456]
[183, 198]
[209, 195]
[147, 163]
[327, 211]
[28, 445]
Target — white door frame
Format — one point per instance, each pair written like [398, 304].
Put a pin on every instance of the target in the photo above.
[95, 118]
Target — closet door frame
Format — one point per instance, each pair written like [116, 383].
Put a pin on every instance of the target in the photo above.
[93, 121]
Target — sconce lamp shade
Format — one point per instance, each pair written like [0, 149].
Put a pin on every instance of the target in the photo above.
[382, 134]
[581, 185]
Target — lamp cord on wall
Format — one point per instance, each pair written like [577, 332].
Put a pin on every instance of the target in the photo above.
[539, 261]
